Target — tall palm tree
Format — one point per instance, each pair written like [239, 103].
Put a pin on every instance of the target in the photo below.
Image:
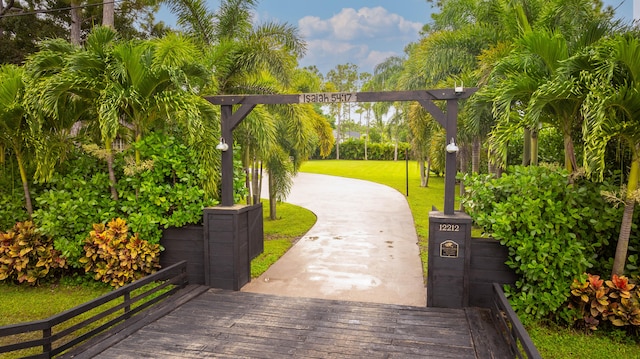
[14, 128]
[72, 83]
[247, 59]
[612, 111]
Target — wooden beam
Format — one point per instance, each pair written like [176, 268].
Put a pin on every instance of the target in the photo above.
[387, 96]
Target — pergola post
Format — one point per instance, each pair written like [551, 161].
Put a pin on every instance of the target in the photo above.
[450, 172]
[226, 112]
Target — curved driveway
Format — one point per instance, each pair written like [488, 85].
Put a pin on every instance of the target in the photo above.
[362, 248]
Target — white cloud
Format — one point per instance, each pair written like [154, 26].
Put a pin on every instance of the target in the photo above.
[376, 57]
[365, 23]
[362, 37]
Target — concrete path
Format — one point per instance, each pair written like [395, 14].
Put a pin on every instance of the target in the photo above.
[362, 248]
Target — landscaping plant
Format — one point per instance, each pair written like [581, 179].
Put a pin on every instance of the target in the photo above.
[117, 258]
[616, 301]
[26, 255]
[551, 228]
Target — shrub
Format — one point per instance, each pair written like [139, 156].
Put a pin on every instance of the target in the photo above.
[116, 258]
[163, 190]
[26, 255]
[552, 230]
[12, 208]
[615, 301]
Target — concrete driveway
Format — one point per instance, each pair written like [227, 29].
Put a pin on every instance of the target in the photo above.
[362, 248]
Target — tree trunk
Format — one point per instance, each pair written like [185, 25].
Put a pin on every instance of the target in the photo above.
[627, 218]
[366, 139]
[426, 184]
[475, 155]
[395, 150]
[272, 199]
[76, 23]
[569, 154]
[25, 184]
[108, 13]
[534, 148]
[338, 133]
[464, 167]
[423, 177]
[112, 173]
[255, 174]
[526, 148]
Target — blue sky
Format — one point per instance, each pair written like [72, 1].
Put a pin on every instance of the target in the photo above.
[362, 32]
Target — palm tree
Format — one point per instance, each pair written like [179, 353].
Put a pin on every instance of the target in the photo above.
[612, 111]
[72, 83]
[531, 80]
[248, 58]
[14, 128]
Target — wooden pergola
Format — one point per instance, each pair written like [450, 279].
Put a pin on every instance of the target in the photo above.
[235, 108]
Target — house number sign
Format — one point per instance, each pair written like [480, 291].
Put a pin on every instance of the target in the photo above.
[448, 227]
[449, 249]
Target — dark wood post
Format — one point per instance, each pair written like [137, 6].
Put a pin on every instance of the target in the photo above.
[450, 164]
[227, 156]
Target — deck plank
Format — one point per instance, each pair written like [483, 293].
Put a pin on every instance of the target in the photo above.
[226, 324]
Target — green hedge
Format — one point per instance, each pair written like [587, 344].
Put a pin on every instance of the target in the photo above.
[353, 149]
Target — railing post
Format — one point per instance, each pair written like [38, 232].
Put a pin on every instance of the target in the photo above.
[46, 335]
[127, 308]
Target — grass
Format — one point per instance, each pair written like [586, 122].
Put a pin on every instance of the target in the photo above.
[279, 235]
[21, 303]
[394, 175]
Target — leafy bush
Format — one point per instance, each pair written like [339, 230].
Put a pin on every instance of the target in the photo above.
[162, 190]
[616, 301]
[12, 208]
[69, 208]
[115, 257]
[552, 229]
[26, 255]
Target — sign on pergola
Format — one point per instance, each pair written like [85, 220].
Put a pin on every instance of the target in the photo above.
[235, 108]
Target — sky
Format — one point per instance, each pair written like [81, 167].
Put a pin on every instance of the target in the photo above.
[361, 32]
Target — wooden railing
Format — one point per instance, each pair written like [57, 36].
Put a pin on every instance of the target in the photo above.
[63, 331]
[508, 324]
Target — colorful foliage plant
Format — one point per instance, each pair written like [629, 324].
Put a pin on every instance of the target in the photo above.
[596, 300]
[26, 255]
[117, 258]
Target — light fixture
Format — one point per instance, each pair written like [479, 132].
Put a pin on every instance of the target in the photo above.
[451, 147]
[222, 146]
[458, 89]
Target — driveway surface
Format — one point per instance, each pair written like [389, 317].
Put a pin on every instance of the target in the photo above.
[362, 248]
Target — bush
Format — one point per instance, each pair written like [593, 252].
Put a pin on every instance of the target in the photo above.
[12, 208]
[69, 208]
[163, 190]
[26, 255]
[353, 149]
[116, 258]
[553, 231]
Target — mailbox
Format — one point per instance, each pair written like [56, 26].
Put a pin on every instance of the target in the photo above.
[449, 258]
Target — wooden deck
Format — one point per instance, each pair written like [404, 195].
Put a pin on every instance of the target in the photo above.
[226, 324]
